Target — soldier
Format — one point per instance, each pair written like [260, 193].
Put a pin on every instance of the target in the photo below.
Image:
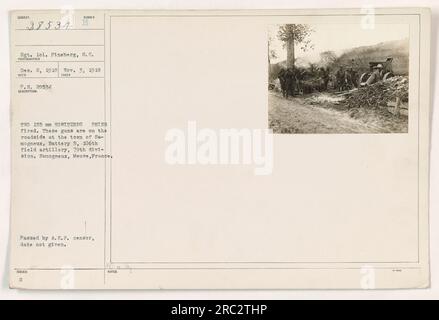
[281, 77]
[325, 76]
[340, 78]
[354, 78]
[350, 78]
[375, 76]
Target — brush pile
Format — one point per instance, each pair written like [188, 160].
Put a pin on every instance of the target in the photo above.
[378, 94]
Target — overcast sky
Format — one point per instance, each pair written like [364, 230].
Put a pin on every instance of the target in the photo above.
[339, 37]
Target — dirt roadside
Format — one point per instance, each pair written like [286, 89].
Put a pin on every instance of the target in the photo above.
[297, 115]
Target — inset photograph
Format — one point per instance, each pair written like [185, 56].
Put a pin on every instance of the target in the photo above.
[338, 78]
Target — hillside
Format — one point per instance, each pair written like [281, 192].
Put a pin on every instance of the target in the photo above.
[398, 50]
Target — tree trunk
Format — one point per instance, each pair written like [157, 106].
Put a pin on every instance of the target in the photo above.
[290, 53]
[269, 62]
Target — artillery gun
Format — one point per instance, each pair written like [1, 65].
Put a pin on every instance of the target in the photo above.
[385, 73]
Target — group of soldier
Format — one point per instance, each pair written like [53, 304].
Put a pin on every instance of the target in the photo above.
[291, 80]
[346, 78]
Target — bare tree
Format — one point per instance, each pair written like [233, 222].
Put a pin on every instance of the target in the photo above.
[327, 58]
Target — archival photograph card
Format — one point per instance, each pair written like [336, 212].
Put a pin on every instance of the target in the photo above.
[261, 149]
